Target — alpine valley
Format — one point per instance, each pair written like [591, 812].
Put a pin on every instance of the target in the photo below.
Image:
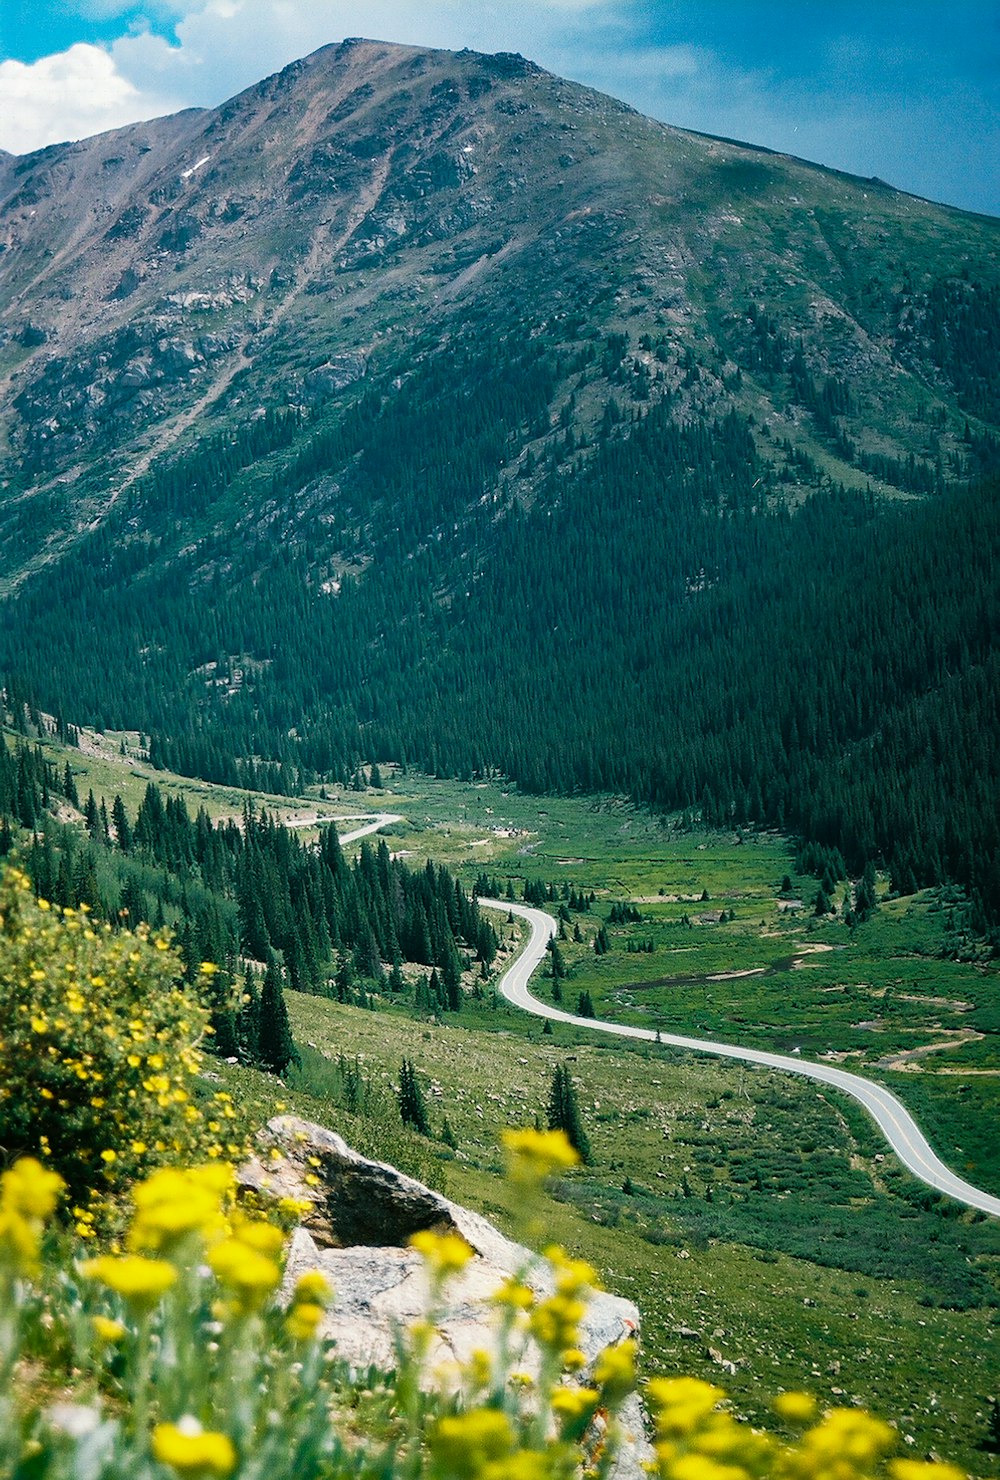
[425, 406]
[607, 517]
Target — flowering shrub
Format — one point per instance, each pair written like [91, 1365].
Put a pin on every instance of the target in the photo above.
[180, 1362]
[99, 1049]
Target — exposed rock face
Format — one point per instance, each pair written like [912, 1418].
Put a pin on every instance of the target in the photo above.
[299, 219]
[363, 1214]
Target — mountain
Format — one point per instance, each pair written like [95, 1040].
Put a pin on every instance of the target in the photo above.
[426, 405]
[366, 202]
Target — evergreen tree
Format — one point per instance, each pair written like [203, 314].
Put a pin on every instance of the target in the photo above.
[276, 1048]
[69, 787]
[123, 833]
[91, 815]
[412, 1109]
[564, 1112]
[248, 1020]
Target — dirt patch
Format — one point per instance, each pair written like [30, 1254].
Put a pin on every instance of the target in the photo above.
[908, 1059]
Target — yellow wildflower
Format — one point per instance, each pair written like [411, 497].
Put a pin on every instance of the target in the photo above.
[479, 1368]
[614, 1371]
[917, 1469]
[262, 1237]
[514, 1294]
[573, 1276]
[555, 1322]
[574, 1403]
[680, 1404]
[534, 1155]
[465, 1444]
[302, 1321]
[107, 1331]
[443, 1253]
[795, 1407]
[313, 1288]
[846, 1435]
[140, 1282]
[191, 1450]
[170, 1204]
[701, 1467]
[249, 1275]
[28, 1188]
[19, 1240]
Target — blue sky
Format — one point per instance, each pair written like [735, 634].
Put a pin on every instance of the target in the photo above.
[906, 91]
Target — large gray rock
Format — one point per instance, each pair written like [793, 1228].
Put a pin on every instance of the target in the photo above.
[362, 1215]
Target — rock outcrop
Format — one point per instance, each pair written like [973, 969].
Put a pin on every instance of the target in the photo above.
[363, 1214]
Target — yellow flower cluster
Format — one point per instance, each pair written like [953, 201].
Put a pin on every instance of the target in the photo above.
[310, 1298]
[189, 1450]
[697, 1439]
[140, 1282]
[28, 1196]
[534, 1155]
[184, 1214]
[99, 1048]
[444, 1254]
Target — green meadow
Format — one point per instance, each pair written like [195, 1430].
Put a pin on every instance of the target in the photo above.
[769, 1238]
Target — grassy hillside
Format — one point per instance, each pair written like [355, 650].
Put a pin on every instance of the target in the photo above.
[750, 1216]
[827, 1273]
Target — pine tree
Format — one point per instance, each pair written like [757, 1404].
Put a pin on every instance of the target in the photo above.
[275, 1046]
[123, 832]
[69, 787]
[412, 1110]
[248, 1020]
[564, 1112]
[91, 815]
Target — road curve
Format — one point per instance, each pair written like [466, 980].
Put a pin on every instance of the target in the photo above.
[892, 1118]
[379, 820]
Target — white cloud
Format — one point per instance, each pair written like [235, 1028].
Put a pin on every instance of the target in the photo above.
[69, 95]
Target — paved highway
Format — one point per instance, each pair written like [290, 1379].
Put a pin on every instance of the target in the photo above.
[382, 819]
[892, 1118]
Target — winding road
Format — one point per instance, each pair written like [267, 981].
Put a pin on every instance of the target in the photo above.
[379, 820]
[892, 1118]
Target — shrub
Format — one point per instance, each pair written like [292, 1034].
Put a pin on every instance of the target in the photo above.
[99, 1049]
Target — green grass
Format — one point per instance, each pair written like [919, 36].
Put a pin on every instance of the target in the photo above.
[813, 1264]
[868, 995]
[802, 1252]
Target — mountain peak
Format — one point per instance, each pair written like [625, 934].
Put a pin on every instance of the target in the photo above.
[372, 197]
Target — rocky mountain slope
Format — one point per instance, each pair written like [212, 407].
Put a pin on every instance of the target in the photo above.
[348, 216]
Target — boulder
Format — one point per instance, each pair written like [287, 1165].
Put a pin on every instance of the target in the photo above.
[361, 1216]
[334, 376]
